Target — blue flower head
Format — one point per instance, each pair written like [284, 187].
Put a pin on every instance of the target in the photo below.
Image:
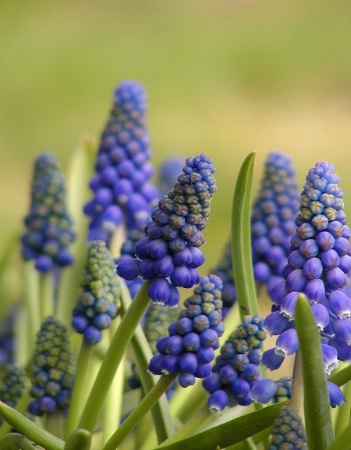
[189, 347]
[235, 377]
[319, 265]
[122, 191]
[170, 254]
[97, 304]
[272, 225]
[52, 371]
[48, 225]
[14, 383]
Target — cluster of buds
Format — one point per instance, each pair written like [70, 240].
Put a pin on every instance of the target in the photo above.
[170, 254]
[14, 383]
[52, 371]
[97, 304]
[288, 431]
[236, 377]
[193, 338]
[121, 186]
[49, 226]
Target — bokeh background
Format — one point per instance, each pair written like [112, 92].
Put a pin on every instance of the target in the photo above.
[224, 77]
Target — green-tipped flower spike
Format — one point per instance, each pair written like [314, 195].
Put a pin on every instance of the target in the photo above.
[97, 304]
[158, 319]
[49, 226]
[14, 383]
[52, 372]
[288, 431]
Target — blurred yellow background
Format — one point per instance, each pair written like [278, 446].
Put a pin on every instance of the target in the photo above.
[224, 77]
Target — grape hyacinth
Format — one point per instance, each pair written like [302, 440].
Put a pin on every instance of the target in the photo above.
[7, 337]
[97, 304]
[288, 431]
[272, 225]
[14, 383]
[189, 348]
[49, 230]
[121, 186]
[236, 370]
[319, 265]
[52, 371]
[170, 253]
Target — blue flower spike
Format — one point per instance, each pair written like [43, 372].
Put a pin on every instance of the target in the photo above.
[52, 371]
[235, 378]
[14, 384]
[122, 192]
[288, 431]
[169, 256]
[319, 265]
[272, 225]
[49, 227]
[188, 350]
[97, 304]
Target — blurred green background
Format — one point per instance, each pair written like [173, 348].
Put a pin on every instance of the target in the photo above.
[224, 77]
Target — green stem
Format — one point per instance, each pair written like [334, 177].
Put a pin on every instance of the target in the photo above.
[113, 402]
[113, 357]
[342, 376]
[81, 386]
[15, 441]
[31, 303]
[145, 405]
[21, 407]
[54, 424]
[46, 295]
[343, 413]
[79, 439]
[30, 429]
[198, 421]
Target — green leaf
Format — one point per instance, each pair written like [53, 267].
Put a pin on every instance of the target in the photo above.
[319, 427]
[15, 441]
[342, 376]
[29, 429]
[230, 432]
[343, 441]
[241, 239]
[142, 354]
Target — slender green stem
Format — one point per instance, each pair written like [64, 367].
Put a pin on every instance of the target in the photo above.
[197, 421]
[31, 303]
[113, 357]
[81, 386]
[15, 441]
[54, 424]
[146, 404]
[46, 295]
[113, 402]
[21, 407]
[30, 429]
[343, 413]
[342, 376]
[79, 439]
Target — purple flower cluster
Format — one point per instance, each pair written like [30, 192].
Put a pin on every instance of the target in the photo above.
[319, 265]
[193, 338]
[236, 377]
[121, 186]
[97, 303]
[49, 226]
[14, 384]
[288, 431]
[272, 225]
[52, 371]
[170, 254]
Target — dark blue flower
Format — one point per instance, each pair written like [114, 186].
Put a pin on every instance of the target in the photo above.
[189, 347]
[236, 370]
[169, 255]
[272, 225]
[49, 231]
[14, 384]
[318, 266]
[52, 371]
[97, 303]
